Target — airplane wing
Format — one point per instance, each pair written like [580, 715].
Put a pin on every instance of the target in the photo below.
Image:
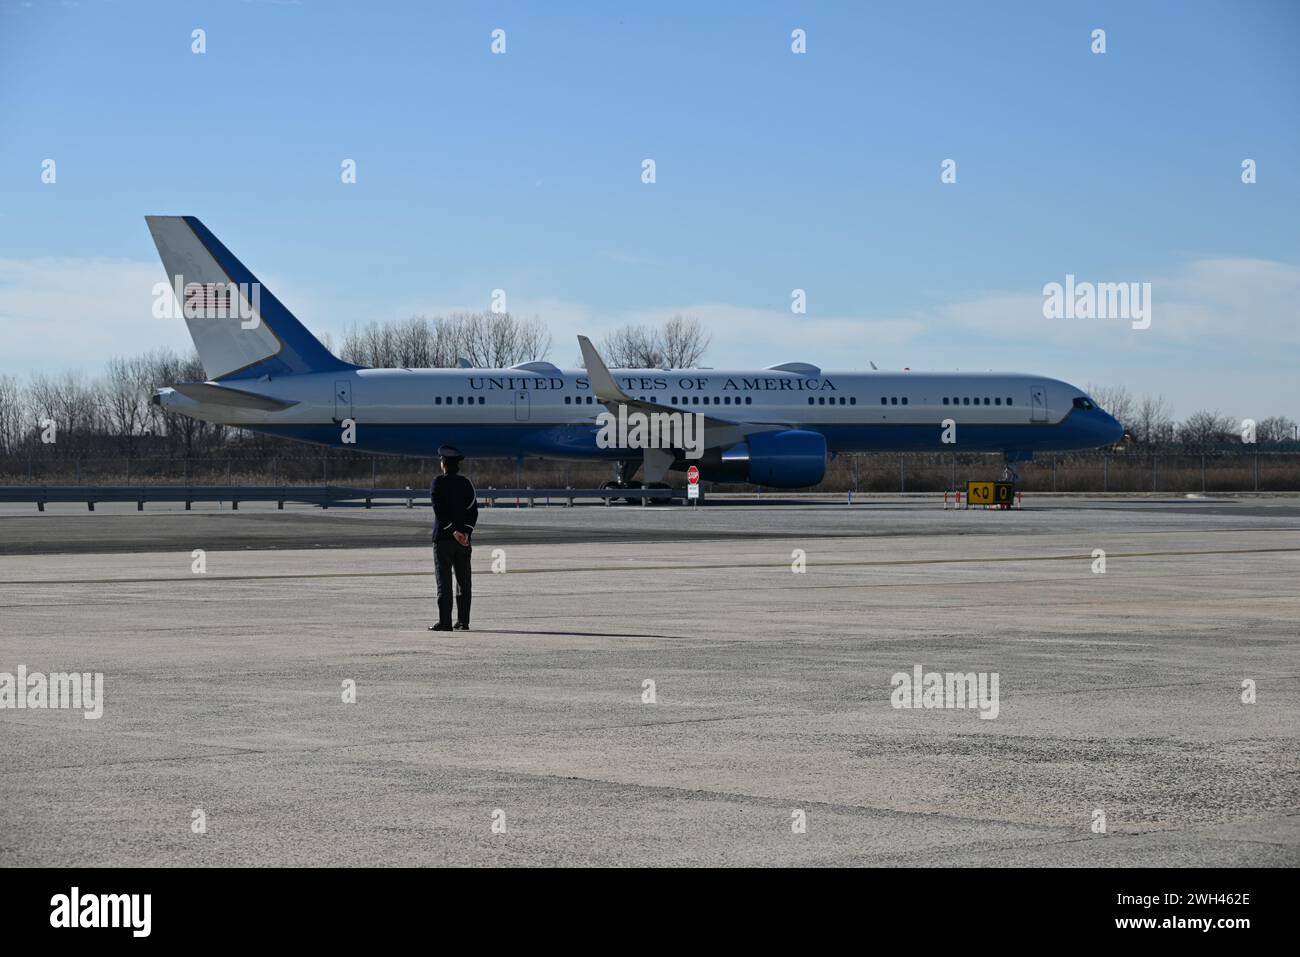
[718, 432]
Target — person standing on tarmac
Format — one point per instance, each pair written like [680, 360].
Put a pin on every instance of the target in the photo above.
[455, 513]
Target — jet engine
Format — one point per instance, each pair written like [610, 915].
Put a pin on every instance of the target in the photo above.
[793, 458]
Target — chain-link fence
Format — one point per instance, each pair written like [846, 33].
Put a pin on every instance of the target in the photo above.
[1161, 470]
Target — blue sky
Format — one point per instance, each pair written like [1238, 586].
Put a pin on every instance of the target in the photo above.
[775, 171]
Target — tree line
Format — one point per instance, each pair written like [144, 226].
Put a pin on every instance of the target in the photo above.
[1149, 421]
[111, 413]
[680, 343]
[484, 340]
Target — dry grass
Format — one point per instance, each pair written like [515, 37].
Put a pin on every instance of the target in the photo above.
[1165, 471]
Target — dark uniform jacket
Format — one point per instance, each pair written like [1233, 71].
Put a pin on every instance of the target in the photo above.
[455, 506]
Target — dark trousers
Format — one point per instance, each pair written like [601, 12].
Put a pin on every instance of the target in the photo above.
[448, 556]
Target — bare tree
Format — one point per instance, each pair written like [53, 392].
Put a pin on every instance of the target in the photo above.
[534, 340]
[680, 343]
[683, 342]
[381, 343]
[1276, 428]
[71, 401]
[128, 386]
[366, 346]
[1203, 430]
[496, 340]
[487, 340]
[1115, 399]
[633, 347]
[1152, 423]
[413, 343]
[166, 368]
[12, 422]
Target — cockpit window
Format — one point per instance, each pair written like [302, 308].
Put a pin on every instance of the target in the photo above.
[1082, 403]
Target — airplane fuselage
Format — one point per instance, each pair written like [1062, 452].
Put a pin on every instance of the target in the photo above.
[775, 427]
[540, 410]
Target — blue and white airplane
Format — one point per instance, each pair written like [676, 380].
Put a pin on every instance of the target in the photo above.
[773, 427]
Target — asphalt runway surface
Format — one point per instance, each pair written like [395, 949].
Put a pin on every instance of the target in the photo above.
[1120, 694]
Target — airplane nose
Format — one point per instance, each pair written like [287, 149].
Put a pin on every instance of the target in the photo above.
[1112, 430]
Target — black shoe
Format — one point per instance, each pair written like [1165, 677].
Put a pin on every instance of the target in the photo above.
[440, 627]
[460, 626]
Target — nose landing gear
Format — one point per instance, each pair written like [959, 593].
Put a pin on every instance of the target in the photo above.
[1009, 473]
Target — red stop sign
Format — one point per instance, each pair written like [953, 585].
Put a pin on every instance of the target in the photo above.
[693, 475]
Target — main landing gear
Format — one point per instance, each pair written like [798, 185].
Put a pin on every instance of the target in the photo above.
[624, 473]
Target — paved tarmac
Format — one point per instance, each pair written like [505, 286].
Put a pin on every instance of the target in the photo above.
[1119, 694]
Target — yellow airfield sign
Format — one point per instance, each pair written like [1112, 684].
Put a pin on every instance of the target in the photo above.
[990, 493]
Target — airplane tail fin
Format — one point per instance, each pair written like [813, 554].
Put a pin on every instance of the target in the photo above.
[240, 329]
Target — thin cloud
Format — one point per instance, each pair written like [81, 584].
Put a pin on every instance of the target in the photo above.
[57, 313]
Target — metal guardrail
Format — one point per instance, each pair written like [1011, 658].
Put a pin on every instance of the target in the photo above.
[322, 495]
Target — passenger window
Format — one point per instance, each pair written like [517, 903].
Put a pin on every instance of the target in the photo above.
[853, 400]
[997, 400]
[883, 401]
[437, 400]
[893, 400]
[1008, 400]
[945, 400]
[749, 400]
[904, 400]
[482, 400]
[810, 400]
